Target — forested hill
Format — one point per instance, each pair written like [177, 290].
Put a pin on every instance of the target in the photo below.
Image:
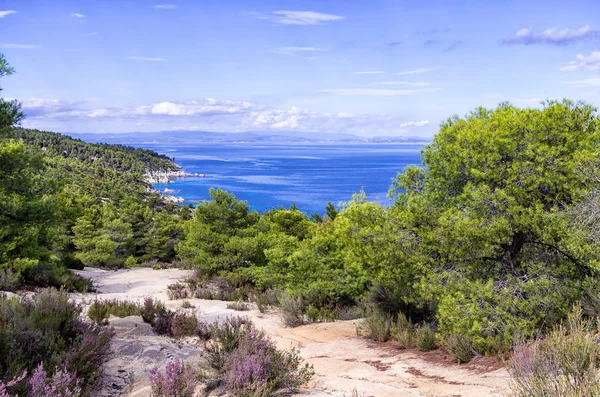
[119, 158]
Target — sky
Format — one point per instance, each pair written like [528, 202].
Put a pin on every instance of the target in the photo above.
[371, 68]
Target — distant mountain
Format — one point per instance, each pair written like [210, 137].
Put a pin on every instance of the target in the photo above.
[197, 137]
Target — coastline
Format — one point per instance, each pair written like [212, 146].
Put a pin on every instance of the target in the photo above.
[165, 177]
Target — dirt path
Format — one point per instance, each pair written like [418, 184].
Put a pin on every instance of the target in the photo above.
[342, 361]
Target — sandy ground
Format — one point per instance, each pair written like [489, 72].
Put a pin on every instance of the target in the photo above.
[342, 361]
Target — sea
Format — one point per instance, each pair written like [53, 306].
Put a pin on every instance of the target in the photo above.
[268, 176]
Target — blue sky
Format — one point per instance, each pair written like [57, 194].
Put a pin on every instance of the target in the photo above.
[394, 68]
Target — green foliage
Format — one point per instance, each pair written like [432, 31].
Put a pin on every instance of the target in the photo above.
[461, 348]
[377, 326]
[100, 310]
[225, 338]
[566, 363]
[425, 338]
[48, 329]
[292, 310]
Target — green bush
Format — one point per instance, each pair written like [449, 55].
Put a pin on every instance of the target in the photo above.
[291, 310]
[100, 310]
[377, 326]
[225, 338]
[564, 364]
[425, 338]
[461, 348]
[239, 306]
[48, 329]
[184, 324]
[187, 305]
[9, 281]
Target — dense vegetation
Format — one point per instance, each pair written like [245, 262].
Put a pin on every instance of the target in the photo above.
[496, 237]
[67, 203]
[492, 239]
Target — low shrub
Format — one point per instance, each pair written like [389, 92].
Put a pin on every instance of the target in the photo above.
[163, 321]
[187, 305]
[378, 326]
[461, 348]
[62, 384]
[291, 310]
[131, 262]
[239, 306]
[184, 324]
[257, 368]
[149, 308]
[48, 329]
[9, 281]
[58, 277]
[351, 313]
[225, 337]
[315, 314]
[406, 338]
[99, 311]
[177, 291]
[179, 380]
[565, 363]
[425, 338]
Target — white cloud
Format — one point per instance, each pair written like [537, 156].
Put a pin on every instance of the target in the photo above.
[552, 36]
[286, 17]
[589, 82]
[418, 70]
[368, 92]
[146, 59]
[293, 51]
[20, 46]
[165, 6]
[77, 15]
[370, 72]
[95, 33]
[590, 62]
[420, 123]
[203, 114]
[404, 83]
[7, 12]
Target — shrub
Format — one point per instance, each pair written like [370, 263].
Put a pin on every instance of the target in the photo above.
[58, 277]
[351, 313]
[291, 310]
[163, 321]
[239, 305]
[131, 262]
[179, 380]
[461, 348]
[378, 326]
[184, 324]
[187, 305]
[62, 384]
[99, 312]
[149, 308]
[225, 338]
[425, 338]
[10, 384]
[257, 368]
[9, 281]
[92, 349]
[177, 291]
[48, 329]
[564, 364]
[406, 338]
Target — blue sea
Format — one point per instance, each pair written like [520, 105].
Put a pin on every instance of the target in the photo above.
[277, 175]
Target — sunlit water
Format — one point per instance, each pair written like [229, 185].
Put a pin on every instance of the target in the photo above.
[277, 175]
